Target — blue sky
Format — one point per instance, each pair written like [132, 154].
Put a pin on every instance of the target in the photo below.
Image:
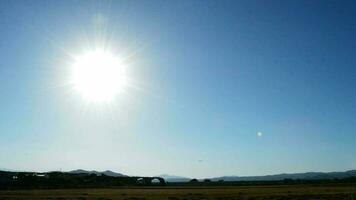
[206, 76]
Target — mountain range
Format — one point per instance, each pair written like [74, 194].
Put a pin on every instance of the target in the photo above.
[107, 172]
[275, 177]
[303, 176]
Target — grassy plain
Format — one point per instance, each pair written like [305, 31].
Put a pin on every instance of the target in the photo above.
[293, 192]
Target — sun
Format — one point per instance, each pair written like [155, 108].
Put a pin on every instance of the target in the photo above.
[98, 75]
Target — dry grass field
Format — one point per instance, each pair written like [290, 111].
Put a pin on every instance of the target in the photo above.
[299, 192]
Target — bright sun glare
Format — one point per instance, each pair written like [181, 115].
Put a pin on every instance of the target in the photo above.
[98, 75]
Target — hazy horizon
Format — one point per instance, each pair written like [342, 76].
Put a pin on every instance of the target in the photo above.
[204, 88]
[178, 176]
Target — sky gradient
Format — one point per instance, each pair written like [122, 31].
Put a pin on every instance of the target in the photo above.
[217, 87]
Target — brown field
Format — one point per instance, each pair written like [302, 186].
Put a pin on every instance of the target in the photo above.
[299, 192]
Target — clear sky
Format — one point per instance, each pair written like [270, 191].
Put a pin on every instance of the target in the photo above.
[216, 87]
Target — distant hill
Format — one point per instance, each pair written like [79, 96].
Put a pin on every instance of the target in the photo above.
[6, 170]
[107, 172]
[275, 177]
[303, 176]
[173, 178]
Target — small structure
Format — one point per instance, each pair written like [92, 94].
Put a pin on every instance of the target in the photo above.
[150, 181]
